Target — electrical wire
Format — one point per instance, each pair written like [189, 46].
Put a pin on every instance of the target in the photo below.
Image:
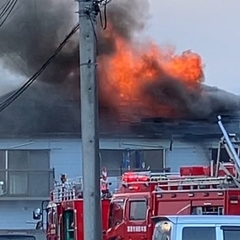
[103, 3]
[105, 17]
[96, 9]
[7, 10]
[9, 5]
[4, 5]
[17, 93]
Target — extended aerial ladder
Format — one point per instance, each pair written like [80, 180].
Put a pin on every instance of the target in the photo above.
[197, 190]
[233, 155]
[221, 185]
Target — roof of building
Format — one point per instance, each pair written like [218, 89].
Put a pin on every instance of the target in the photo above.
[43, 110]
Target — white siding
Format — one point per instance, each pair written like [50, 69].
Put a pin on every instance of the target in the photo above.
[65, 154]
[17, 214]
[186, 156]
[65, 157]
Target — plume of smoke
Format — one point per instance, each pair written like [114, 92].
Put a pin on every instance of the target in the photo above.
[124, 22]
[34, 31]
[36, 28]
[187, 101]
[8, 80]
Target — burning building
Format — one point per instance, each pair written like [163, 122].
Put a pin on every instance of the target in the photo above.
[154, 107]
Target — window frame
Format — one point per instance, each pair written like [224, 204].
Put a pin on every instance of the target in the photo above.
[69, 230]
[118, 168]
[159, 233]
[223, 153]
[110, 219]
[130, 201]
[199, 226]
[7, 172]
[229, 228]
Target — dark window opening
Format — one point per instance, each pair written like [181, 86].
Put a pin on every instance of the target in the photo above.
[224, 157]
[16, 237]
[117, 161]
[208, 210]
[231, 233]
[138, 210]
[199, 233]
[116, 213]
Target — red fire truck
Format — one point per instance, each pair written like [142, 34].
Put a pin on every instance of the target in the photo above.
[64, 211]
[127, 214]
[197, 190]
[145, 195]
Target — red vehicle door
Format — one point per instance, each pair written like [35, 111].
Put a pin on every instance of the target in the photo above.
[116, 223]
[136, 218]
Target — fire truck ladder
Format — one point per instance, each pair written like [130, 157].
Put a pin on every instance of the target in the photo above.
[149, 177]
[228, 144]
[194, 183]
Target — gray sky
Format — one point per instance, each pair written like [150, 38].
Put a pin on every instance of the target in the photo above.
[210, 28]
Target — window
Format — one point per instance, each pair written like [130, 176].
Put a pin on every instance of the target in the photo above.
[162, 231]
[224, 157]
[17, 237]
[138, 209]
[22, 170]
[199, 233]
[207, 210]
[68, 224]
[117, 161]
[116, 212]
[231, 233]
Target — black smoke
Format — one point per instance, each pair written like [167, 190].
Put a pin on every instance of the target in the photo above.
[31, 35]
[35, 29]
[196, 101]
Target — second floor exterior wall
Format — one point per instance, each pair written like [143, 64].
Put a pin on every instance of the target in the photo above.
[64, 156]
[28, 166]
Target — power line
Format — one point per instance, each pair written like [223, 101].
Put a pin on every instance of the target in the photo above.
[7, 10]
[17, 93]
[11, 4]
[4, 5]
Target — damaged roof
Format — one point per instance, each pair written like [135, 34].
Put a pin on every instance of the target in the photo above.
[42, 111]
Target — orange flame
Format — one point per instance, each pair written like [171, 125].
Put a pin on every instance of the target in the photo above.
[132, 66]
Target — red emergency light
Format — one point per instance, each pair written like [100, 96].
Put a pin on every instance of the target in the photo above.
[134, 188]
[134, 177]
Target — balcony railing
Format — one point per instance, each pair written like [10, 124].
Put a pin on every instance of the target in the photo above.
[26, 184]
